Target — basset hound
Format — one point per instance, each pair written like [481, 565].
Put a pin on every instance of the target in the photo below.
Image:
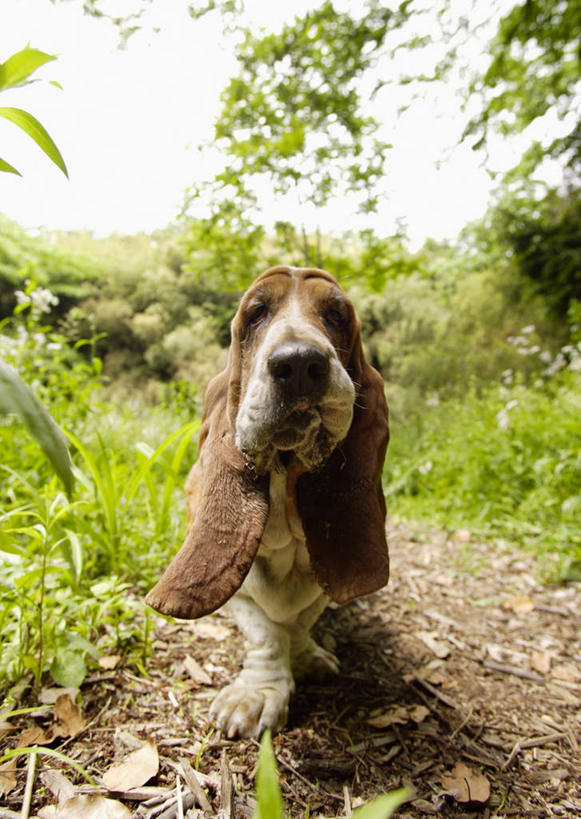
[285, 501]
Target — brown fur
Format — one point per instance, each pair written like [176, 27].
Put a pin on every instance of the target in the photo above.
[341, 505]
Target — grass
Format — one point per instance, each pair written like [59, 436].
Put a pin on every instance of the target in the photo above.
[505, 463]
[74, 569]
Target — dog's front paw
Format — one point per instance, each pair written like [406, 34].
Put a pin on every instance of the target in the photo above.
[246, 708]
[314, 661]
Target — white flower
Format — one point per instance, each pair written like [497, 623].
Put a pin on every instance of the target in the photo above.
[502, 419]
[425, 468]
[433, 400]
[43, 299]
[530, 328]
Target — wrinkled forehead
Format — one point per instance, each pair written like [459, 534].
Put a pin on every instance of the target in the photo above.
[307, 286]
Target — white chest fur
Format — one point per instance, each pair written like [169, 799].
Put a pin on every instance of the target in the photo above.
[280, 580]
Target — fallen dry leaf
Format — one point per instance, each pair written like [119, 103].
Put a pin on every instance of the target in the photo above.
[398, 714]
[125, 741]
[431, 672]
[110, 662]
[436, 677]
[58, 784]
[69, 719]
[137, 769]
[7, 777]
[438, 647]
[501, 654]
[541, 661]
[208, 629]
[48, 696]
[89, 807]
[465, 784]
[521, 604]
[196, 671]
[419, 712]
[33, 736]
[444, 580]
[566, 672]
[5, 728]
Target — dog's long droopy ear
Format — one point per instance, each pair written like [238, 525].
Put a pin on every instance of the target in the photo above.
[342, 507]
[227, 525]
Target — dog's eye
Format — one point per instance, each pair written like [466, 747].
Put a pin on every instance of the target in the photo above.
[335, 318]
[256, 315]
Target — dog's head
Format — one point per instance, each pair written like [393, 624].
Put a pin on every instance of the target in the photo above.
[296, 386]
[291, 391]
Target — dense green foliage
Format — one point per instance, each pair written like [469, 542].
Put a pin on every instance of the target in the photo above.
[67, 564]
[295, 110]
[535, 68]
[506, 464]
[543, 236]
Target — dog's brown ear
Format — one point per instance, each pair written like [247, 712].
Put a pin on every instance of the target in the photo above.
[226, 527]
[342, 507]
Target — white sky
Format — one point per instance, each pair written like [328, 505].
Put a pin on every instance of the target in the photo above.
[129, 122]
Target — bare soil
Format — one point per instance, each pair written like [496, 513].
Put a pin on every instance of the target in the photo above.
[463, 629]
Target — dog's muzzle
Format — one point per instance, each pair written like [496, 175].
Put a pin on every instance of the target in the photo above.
[300, 372]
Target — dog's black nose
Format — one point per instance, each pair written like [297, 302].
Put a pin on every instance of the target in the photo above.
[300, 369]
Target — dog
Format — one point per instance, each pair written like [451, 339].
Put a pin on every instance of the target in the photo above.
[285, 502]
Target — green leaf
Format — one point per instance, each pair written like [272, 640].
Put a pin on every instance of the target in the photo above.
[16, 397]
[68, 669]
[18, 68]
[383, 806]
[8, 168]
[31, 126]
[268, 795]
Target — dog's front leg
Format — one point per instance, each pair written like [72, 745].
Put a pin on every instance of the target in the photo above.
[258, 698]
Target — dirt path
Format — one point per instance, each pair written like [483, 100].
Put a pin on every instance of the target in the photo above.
[464, 658]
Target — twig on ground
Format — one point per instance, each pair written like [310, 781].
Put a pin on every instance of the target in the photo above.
[553, 610]
[30, 777]
[517, 672]
[374, 742]
[226, 792]
[462, 725]
[180, 801]
[194, 785]
[170, 809]
[347, 800]
[521, 745]
[438, 694]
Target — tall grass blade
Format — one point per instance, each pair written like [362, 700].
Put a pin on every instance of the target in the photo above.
[268, 794]
[384, 806]
[17, 397]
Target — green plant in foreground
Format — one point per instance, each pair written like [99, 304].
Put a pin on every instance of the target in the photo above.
[269, 803]
[17, 398]
[14, 73]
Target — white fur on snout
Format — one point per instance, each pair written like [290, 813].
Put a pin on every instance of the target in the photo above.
[260, 406]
